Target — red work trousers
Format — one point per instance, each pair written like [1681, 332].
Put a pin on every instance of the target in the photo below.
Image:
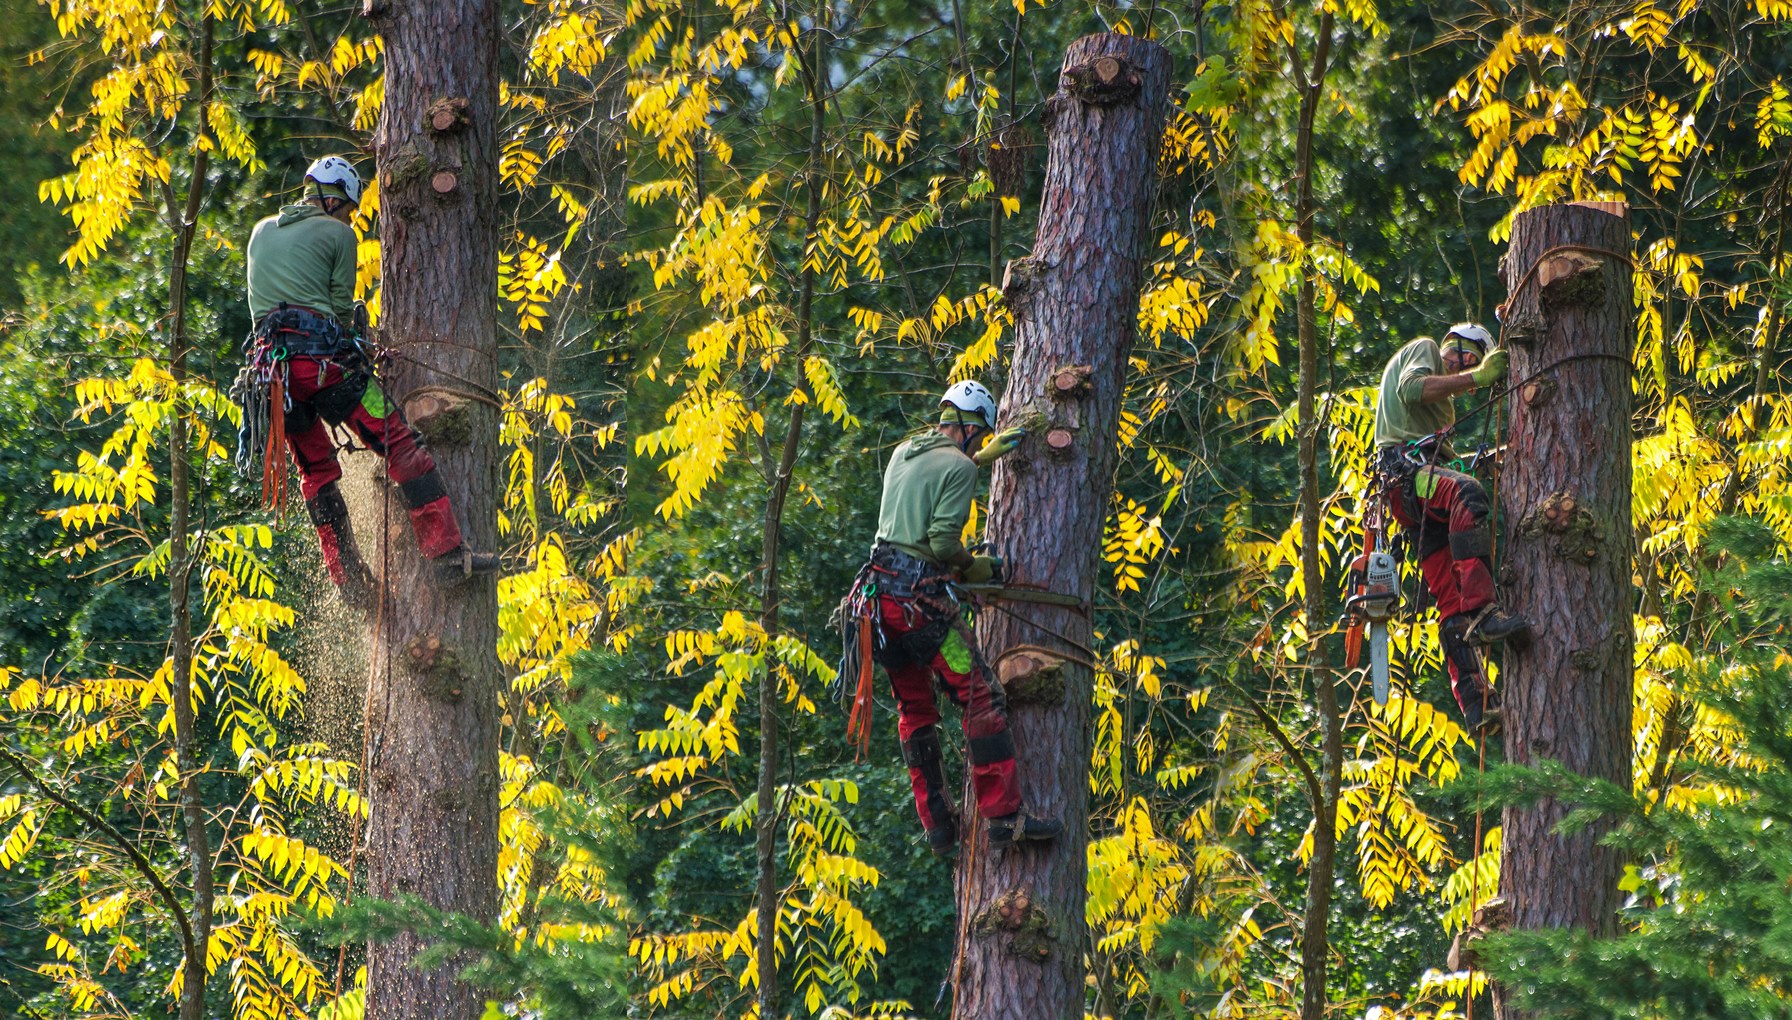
[353, 399]
[989, 748]
[1450, 528]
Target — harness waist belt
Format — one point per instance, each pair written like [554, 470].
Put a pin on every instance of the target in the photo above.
[303, 332]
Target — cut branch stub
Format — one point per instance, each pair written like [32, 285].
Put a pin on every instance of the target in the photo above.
[1571, 279]
[1020, 280]
[1060, 442]
[1027, 928]
[445, 115]
[1031, 676]
[1071, 381]
[1104, 81]
[1571, 528]
[444, 182]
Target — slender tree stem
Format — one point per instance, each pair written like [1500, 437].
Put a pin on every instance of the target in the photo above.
[180, 571]
[1320, 867]
[766, 825]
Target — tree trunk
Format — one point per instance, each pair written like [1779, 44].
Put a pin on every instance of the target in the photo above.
[1567, 551]
[185, 223]
[769, 893]
[1315, 940]
[1075, 303]
[433, 703]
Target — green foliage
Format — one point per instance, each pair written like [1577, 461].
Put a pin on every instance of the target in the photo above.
[1706, 920]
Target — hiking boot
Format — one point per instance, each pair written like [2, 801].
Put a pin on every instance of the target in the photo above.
[943, 839]
[357, 590]
[1489, 725]
[460, 563]
[1021, 827]
[1491, 626]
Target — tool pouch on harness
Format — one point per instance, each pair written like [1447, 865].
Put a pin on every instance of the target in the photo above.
[921, 584]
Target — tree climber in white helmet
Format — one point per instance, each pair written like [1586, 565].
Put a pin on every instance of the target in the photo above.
[928, 488]
[1445, 512]
[307, 332]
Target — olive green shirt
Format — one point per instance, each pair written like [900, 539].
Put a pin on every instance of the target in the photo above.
[302, 257]
[928, 489]
[1401, 414]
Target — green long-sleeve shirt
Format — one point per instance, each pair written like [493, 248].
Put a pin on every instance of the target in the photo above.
[302, 257]
[1401, 414]
[928, 489]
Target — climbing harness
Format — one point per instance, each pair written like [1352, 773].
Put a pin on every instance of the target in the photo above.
[262, 389]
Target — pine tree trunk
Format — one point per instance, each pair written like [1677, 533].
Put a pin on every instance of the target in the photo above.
[1075, 301]
[1566, 549]
[432, 707]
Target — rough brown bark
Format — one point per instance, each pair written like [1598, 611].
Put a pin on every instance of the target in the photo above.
[1567, 549]
[433, 703]
[1075, 302]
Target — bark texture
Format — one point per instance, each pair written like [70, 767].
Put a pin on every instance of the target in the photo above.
[1075, 301]
[1566, 549]
[433, 703]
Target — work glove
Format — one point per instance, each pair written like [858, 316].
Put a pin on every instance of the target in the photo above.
[1489, 371]
[1001, 444]
[982, 568]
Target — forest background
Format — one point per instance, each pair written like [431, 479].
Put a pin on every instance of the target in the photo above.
[664, 318]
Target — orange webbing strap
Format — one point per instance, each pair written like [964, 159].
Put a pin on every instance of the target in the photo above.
[273, 461]
[858, 724]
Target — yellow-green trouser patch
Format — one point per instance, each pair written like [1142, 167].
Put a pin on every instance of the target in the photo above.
[1425, 483]
[373, 401]
[957, 656]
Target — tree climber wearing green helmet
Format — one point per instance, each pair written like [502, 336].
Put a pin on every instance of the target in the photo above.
[928, 488]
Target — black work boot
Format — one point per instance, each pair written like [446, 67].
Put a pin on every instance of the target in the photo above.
[1021, 827]
[460, 563]
[943, 839]
[1491, 626]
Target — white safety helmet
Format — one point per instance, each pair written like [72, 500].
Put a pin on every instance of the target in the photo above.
[1464, 335]
[337, 171]
[972, 399]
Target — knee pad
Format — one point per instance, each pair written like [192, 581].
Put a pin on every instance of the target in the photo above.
[991, 749]
[922, 748]
[1468, 545]
[423, 490]
[328, 509]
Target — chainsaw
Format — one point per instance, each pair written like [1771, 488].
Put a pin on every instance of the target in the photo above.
[1375, 597]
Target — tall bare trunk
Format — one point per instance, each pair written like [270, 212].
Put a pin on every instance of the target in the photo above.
[1075, 301]
[1568, 550]
[433, 703]
[181, 565]
[1314, 943]
[771, 595]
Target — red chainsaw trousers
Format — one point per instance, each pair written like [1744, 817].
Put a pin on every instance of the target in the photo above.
[989, 747]
[1451, 531]
[357, 402]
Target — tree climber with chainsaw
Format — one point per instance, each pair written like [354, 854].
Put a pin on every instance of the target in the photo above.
[928, 488]
[301, 284]
[1444, 512]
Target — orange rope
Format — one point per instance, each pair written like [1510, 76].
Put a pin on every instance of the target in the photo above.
[1474, 891]
[858, 724]
[273, 461]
